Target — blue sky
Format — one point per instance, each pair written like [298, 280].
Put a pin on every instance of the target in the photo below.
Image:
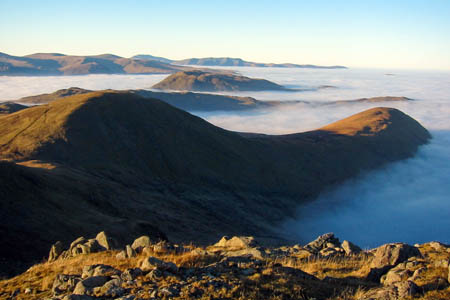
[384, 34]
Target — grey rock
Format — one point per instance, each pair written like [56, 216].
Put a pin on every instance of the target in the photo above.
[130, 274]
[78, 297]
[64, 283]
[122, 255]
[396, 275]
[130, 251]
[328, 252]
[350, 248]
[236, 242]
[152, 263]
[94, 281]
[393, 254]
[112, 288]
[55, 251]
[140, 243]
[321, 243]
[104, 241]
[78, 241]
[99, 270]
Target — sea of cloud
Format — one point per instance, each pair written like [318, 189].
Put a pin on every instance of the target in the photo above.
[406, 201]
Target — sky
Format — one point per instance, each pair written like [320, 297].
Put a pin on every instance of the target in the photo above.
[411, 34]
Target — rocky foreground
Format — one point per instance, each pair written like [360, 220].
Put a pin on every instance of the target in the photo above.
[234, 268]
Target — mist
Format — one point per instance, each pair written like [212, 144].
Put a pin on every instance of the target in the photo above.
[407, 201]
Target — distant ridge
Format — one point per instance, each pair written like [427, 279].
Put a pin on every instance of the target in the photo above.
[231, 62]
[59, 64]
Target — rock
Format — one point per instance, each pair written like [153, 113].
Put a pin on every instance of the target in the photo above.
[140, 243]
[28, 291]
[388, 256]
[438, 246]
[64, 283]
[121, 255]
[94, 281]
[328, 252]
[130, 274]
[406, 288]
[169, 292]
[78, 241]
[251, 252]
[152, 263]
[81, 289]
[127, 297]
[104, 240]
[112, 288]
[55, 251]
[321, 243]
[396, 291]
[78, 297]
[130, 251]
[396, 275]
[393, 254]
[442, 263]
[350, 248]
[236, 242]
[154, 274]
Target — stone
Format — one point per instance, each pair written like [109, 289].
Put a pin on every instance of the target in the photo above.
[99, 270]
[321, 243]
[328, 252]
[396, 275]
[130, 251]
[396, 291]
[154, 274]
[236, 242]
[104, 241]
[64, 283]
[393, 254]
[81, 289]
[94, 281]
[140, 243]
[251, 252]
[112, 288]
[350, 248]
[55, 251]
[78, 297]
[121, 255]
[438, 246]
[152, 263]
[130, 274]
[78, 241]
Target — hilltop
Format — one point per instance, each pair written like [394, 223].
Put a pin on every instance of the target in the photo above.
[60, 64]
[231, 62]
[130, 165]
[238, 62]
[204, 81]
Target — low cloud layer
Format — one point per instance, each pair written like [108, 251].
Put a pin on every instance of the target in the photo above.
[407, 201]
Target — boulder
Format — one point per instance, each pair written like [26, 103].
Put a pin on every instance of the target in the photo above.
[99, 270]
[78, 241]
[396, 291]
[77, 297]
[392, 254]
[130, 274]
[331, 251]
[55, 251]
[130, 251]
[152, 263]
[236, 242]
[350, 248]
[140, 243]
[112, 289]
[105, 241]
[64, 283]
[121, 255]
[322, 242]
[396, 275]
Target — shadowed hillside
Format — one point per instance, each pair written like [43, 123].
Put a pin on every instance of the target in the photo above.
[114, 160]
